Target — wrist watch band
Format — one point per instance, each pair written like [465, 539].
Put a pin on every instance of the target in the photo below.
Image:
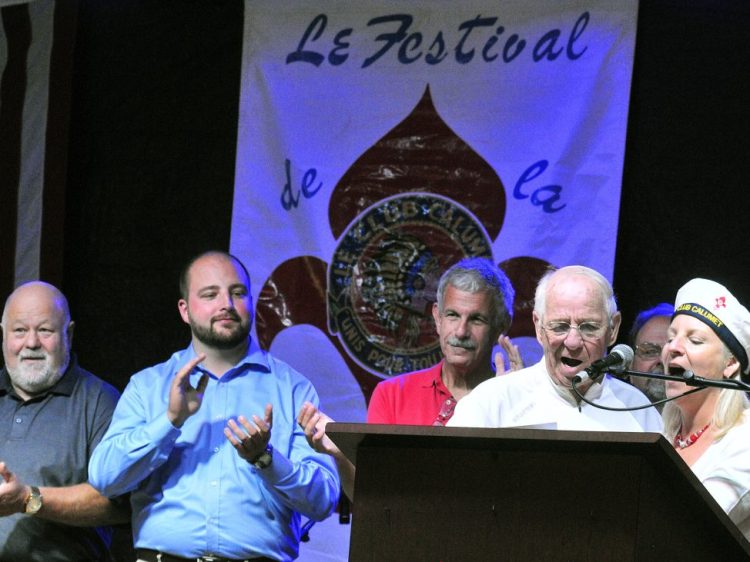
[33, 502]
[265, 459]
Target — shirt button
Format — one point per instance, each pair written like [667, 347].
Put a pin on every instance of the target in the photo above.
[19, 420]
[214, 483]
[216, 449]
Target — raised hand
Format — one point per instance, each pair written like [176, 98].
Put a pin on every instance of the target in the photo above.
[313, 422]
[250, 438]
[514, 357]
[184, 400]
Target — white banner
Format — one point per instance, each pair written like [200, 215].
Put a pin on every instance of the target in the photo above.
[381, 141]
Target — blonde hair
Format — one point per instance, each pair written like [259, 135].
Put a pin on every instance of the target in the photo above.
[727, 414]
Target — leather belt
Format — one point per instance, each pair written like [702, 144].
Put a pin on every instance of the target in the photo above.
[156, 556]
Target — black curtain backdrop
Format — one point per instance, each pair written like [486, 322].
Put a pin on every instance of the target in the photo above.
[153, 135]
[685, 185]
[154, 129]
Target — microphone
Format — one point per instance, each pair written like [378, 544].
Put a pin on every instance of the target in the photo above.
[618, 360]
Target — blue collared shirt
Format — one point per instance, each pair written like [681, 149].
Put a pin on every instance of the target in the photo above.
[192, 494]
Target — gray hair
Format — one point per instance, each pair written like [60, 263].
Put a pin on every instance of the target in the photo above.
[475, 275]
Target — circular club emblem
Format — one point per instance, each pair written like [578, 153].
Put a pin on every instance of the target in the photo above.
[382, 280]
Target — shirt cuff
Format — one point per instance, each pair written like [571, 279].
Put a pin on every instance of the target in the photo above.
[279, 469]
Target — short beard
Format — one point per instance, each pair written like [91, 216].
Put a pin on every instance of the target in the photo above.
[655, 390]
[33, 380]
[208, 337]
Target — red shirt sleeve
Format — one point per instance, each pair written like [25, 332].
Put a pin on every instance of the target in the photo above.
[380, 409]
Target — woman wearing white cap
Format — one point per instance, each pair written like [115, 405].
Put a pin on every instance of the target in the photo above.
[710, 429]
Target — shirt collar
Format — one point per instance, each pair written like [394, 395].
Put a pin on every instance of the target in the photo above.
[255, 359]
[437, 379]
[5, 386]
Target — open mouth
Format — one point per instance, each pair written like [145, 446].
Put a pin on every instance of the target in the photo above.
[570, 362]
[676, 370]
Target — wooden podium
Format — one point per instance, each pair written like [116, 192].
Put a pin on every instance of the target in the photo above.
[465, 494]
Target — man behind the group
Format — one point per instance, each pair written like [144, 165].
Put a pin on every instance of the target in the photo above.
[204, 484]
[648, 336]
[576, 318]
[474, 306]
[52, 415]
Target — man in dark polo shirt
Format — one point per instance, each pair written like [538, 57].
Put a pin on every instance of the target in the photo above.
[52, 415]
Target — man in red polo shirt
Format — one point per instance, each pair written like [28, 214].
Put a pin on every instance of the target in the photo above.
[474, 307]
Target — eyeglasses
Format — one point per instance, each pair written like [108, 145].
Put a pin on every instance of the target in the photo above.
[587, 330]
[648, 350]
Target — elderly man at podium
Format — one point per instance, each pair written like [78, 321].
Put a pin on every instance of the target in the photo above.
[575, 317]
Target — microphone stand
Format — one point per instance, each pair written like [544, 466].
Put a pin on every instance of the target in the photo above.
[691, 379]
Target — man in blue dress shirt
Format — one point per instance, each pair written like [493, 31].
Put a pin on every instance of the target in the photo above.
[207, 443]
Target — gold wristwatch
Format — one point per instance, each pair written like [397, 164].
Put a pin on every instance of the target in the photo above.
[34, 501]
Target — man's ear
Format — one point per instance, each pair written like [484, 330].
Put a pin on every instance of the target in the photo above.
[182, 306]
[537, 326]
[616, 320]
[436, 316]
[69, 333]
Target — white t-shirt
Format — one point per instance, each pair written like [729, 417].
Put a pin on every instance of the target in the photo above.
[529, 397]
[724, 470]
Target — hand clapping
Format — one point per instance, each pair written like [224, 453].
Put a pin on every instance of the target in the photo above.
[250, 439]
[184, 400]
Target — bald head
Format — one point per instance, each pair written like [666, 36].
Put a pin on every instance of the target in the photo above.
[36, 293]
[37, 334]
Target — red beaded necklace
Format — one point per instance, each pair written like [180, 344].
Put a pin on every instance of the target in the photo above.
[692, 438]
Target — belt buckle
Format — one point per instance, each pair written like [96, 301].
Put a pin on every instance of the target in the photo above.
[209, 558]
